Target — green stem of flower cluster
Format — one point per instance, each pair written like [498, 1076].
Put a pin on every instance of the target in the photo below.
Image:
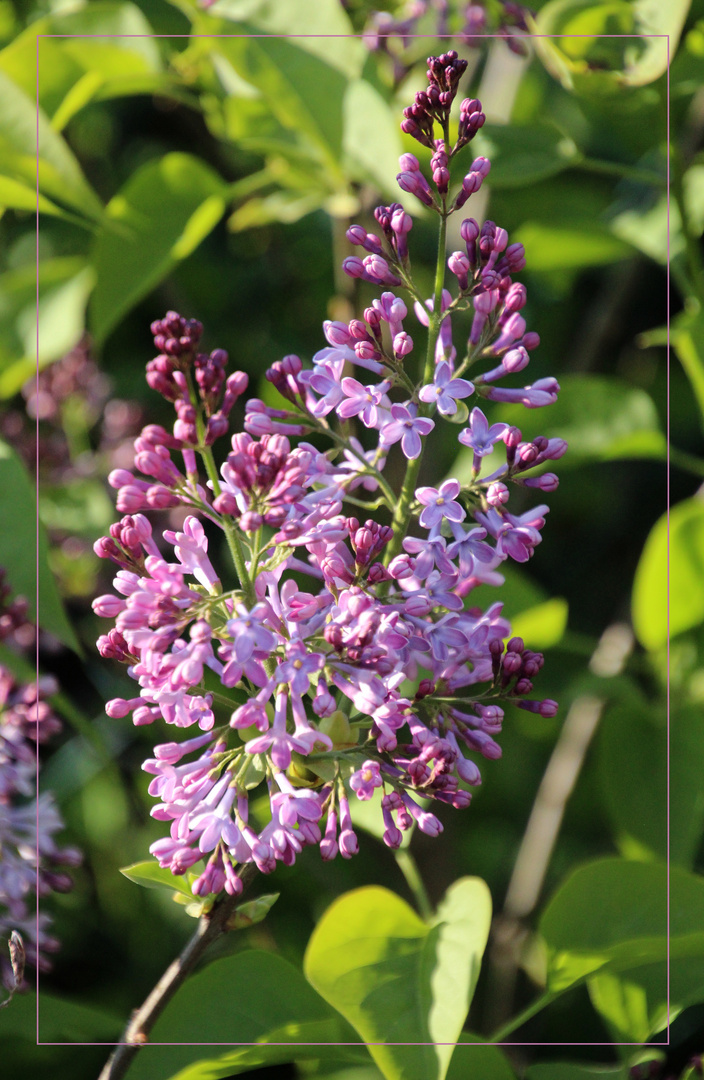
[402, 514]
[233, 541]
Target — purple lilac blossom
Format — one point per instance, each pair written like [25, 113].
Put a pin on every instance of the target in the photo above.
[342, 648]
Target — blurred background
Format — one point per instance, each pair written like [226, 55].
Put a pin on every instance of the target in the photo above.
[217, 176]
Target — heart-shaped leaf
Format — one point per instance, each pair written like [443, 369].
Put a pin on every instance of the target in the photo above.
[399, 980]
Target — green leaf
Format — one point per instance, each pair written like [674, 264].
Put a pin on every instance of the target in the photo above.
[550, 248]
[27, 567]
[397, 979]
[59, 1020]
[612, 913]
[686, 793]
[542, 626]
[687, 337]
[524, 155]
[473, 1061]
[564, 1070]
[371, 140]
[252, 997]
[304, 93]
[650, 586]
[633, 772]
[311, 1042]
[16, 195]
[286, 206]
[600, 418]
[166, 208]
[152, 876]
[74, 71]
[595, 52]
[324, 28]
[23, 128]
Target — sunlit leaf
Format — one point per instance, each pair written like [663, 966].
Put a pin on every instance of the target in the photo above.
[23, 129]
[686, 585]
[27, 568]
[371, 140]
[523, 155]
[612, 914]
[550, 248]
[251, 997]
[397, 979]
[166, 208]
[543, 626]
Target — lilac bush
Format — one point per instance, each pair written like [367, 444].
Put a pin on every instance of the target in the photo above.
[32, 864]
[345, 658]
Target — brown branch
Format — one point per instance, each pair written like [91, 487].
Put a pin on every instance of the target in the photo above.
[137, 1032]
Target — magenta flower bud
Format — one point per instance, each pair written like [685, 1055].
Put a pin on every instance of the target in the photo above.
[353, 266]
[336, 333]
[547, 482]
[531, 340]
[459, 265]
[119, 707]
[515, 360]
[119, 478]
[415, 184]
[160, 498]
[361, 238]
[441, 179]
[216, 426]
[497, 494]
[401, 224]
[409, 163]
[379, 271]
[403, 344]
[251, 522]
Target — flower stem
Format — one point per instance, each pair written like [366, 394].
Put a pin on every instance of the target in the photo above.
[402, 513]
[136, 1034]
[233, 541]
[409, 868]
[518, 1021]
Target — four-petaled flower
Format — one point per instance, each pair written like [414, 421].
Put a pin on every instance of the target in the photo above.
[440, 503]
[444, 390]
[479, 436]
[408, 427]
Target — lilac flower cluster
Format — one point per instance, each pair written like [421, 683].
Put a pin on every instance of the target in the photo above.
[344, 657]
[394, 34]
[31, 862]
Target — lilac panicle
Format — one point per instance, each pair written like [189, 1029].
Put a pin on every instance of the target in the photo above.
[337, 655]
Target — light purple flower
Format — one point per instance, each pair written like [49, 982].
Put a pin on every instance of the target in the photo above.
[408, 427]
[368, 402]
[479, 436]
[365, 780]
[440, 503]
[444, 390]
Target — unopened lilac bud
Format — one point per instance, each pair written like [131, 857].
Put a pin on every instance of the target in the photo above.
[515, 360]
[547, 482]
[403, 344]
[401, 224]
[531, 340]
[415, 184]
[459, 265]
[379, 270]
[497, 494]
[409, 163]
[353, 266]
[336, 333]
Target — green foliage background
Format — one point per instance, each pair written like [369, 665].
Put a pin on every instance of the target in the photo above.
[217, 175]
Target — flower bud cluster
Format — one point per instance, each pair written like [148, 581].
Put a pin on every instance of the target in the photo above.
[343, 659]
[31, 862]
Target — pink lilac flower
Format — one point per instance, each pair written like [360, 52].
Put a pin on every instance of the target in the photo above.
[407, 426]
[440, 503]
[445, 391]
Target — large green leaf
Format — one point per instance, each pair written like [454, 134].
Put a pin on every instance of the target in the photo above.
[73, 71]
[633, 766]
[544, 625]
[251, 997]
[593, 49]
[64, 284]
[372, 139]
[612, 914]
[304, 93]
[23, 549]
[24, 129]
[686, 577]
[557, 247]
[166, 208]
[564, 1070]
[687, 336]
[633, 769]
[473, 1059]
[522, 155]
[60, 1020]
[399, 980]
[322, 29]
